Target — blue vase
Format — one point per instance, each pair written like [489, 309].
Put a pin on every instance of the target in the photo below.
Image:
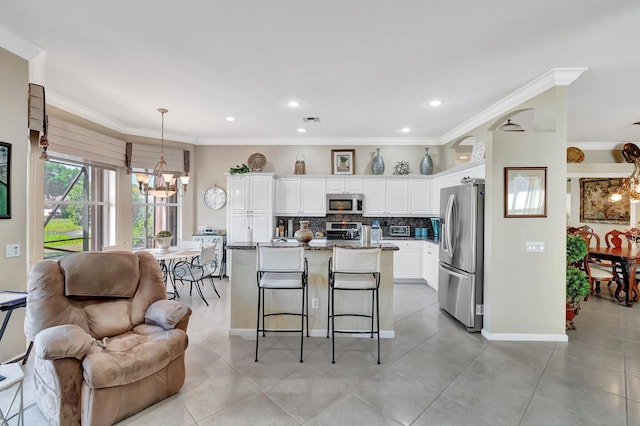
[377, 166]
[426, 165]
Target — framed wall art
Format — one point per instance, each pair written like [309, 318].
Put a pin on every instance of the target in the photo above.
[343, 161]
[5, 180]
[525, 192]
[595, 201]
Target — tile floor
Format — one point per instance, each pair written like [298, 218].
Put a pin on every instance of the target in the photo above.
[432, 373]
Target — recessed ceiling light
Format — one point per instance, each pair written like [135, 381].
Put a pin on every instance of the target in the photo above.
[435, 103]
[230, 118]
[405, 130]
[293, 104]
[302, 130]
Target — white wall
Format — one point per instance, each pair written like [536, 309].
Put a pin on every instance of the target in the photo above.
[13, 129]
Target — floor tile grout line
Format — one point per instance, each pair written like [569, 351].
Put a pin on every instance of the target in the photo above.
[624, 368]
[535, 389]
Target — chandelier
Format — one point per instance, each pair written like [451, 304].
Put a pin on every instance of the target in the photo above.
[162, 184]
[631, 185]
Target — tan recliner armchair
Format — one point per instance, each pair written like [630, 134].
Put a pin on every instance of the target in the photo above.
[107, 343]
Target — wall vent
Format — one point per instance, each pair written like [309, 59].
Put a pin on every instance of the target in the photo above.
[311, 119]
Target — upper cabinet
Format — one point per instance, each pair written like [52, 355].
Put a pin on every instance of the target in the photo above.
[301, 196]
[420, 196]
[250, 193]
[345, 185]
[385, 197]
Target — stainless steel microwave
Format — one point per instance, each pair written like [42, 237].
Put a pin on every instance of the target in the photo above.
[345, 203]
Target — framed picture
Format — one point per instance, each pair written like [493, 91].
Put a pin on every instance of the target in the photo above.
[595, 201]
[5, 180]
[525, 192]
[343, 161]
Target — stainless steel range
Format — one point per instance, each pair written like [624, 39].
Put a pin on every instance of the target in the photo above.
[343, 230]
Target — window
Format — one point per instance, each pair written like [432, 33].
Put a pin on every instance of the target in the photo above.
[151, 215]
[77, 212]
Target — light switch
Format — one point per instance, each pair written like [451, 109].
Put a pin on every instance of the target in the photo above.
[12, 250]
[534, 247]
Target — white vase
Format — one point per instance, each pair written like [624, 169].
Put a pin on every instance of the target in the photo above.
[164, 242]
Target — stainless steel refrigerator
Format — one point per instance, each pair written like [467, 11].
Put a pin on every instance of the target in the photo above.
[461, 267]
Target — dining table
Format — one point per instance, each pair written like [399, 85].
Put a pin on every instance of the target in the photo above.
[167, 258]
[628, 259]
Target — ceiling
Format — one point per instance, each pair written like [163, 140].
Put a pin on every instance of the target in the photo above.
[367, 68]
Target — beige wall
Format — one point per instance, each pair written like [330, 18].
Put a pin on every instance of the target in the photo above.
[13, 129]
[212, 162]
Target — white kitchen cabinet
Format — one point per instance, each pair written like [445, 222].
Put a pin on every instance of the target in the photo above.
[386, 197]
[250, 215]
[345, 185]
[430, 253]
[301, 196]
[419, 196]
[220, 242]
[407, 262]
[453, 178]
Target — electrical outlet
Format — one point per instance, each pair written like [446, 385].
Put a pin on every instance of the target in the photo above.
[314, 303]
[12, 250]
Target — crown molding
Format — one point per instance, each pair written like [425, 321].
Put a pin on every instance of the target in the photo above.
[18, 46]
[553, 77]
[359, 141]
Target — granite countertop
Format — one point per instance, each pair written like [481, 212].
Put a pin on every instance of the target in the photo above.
[430, 239]
[317, 245]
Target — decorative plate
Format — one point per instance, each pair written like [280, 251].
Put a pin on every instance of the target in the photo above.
[256, 162]
[215, 197]
[574, 155]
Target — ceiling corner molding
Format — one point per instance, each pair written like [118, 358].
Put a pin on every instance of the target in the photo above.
[553, 77]
[18, 46]
[382, 141]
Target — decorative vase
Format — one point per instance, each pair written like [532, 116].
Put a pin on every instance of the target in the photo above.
[164, 242]
[377, 166]
[571, 311]
[300, 168]
[426, 165]
[304, 234]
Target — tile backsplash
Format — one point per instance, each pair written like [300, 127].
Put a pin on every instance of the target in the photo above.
[318, 223]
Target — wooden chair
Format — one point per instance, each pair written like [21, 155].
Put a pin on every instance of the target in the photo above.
[618, 239]
[597, 270]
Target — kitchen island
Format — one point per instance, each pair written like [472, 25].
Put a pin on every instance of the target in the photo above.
[244, 291]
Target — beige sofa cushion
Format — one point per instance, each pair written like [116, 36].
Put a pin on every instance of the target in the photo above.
[131, 357]
[100, 274]
[110, 318]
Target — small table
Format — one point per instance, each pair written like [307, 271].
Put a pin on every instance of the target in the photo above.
[10, 300]
[171, 254]
[13, 377]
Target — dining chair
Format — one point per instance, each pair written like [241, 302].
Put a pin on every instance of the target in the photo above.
[194, 272]
[619, 239]
[597, 270]
[281, 269]
[352, 270]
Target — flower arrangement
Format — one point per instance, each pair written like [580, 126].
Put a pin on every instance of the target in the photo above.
[163, 234]
[632, 234]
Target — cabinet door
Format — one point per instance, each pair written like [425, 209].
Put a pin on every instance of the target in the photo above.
[312, 197]
[407, 262]
[261, 194]
[238, 228]
[238, 194]
[288, 196]
[430, 272]
[419, 196]
[374, 197]
[397, 197]
[262, 228]
[335, 185]
[353, 185]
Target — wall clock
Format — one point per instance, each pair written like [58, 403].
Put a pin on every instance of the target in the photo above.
[215, 197]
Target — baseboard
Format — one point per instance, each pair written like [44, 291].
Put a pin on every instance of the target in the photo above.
[525, 337]
[250, 333]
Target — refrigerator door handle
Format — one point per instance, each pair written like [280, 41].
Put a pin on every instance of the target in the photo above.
[454, 273]
[448, 221]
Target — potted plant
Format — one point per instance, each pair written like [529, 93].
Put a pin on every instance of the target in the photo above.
[164, 239]
[577, 281]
